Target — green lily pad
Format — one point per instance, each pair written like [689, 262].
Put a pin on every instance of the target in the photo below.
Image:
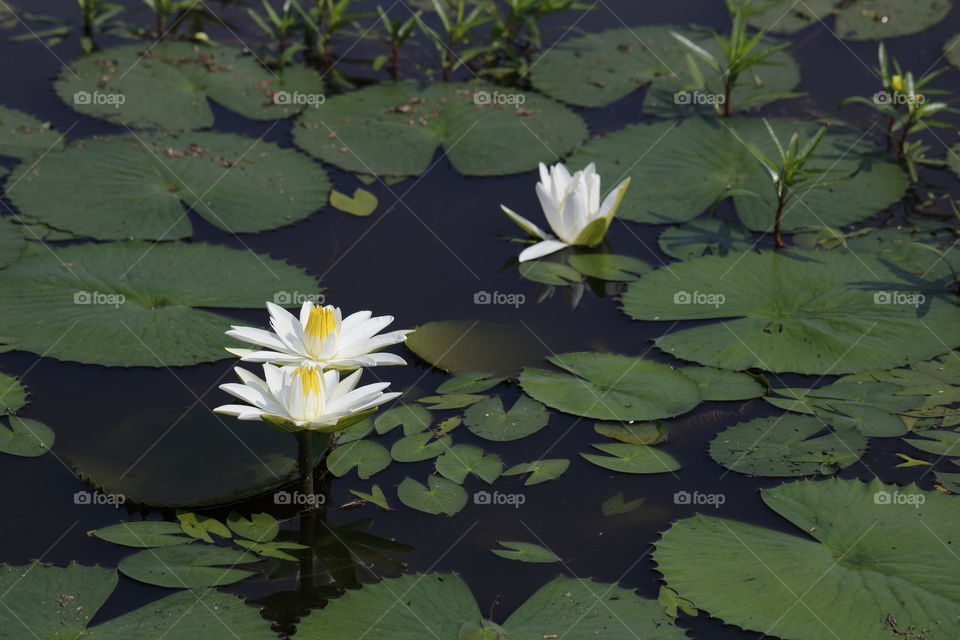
[412, 417]
[822, 314]
[395, 129]
[238, 184]
[420, 446]
[937, 442]
[951, 50]
[362, 203]
[144, 534]
[23, 136]
[451, 401]
[596, 69]
[25, 438]
[187, 566]
[13, 242]
[549, 272]
[166, 85]
[464, 346]
[472, 382]
[376, 496]
[860, 20]
[847, 533]
[259, 527]
[131, 303]
[787, 446]
[200, 527]
[632, 458]
[702, 237]
[612, 387]
[277, 549]
[13, 395]
[490, 421]
[953, 158]
[354, 432]
[59, 602]
[442, 496]
[368, 457]
[463, 459]
[616, 505]
[723, 385]
[540, 470]
[609, 266]
[525, 552]
[634, 433]
[699, 162]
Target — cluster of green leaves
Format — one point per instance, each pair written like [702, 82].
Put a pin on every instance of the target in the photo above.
[24, 437]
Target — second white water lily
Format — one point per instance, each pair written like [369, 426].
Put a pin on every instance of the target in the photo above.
[571, 204]
[303, 398]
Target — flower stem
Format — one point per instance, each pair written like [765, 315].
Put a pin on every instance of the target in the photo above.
[305, 461]
[305, 466]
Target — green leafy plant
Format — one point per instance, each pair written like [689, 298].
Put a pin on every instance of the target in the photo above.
[278, 27]
[903, 101]
[324, 20]
[742, 53]
[395, 32]
[459, 30]
[96, 14]
[170, 14]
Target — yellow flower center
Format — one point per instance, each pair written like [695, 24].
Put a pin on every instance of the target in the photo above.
[310, 380]
[321, 323]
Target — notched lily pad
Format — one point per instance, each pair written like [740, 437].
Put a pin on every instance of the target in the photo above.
[23, 136]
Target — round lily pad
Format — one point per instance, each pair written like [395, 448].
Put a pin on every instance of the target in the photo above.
[612, 387]
[826, 313]
[166, 85]
[698, 163]
[860, 20]
[703, 237]
[137, 186]
[489, 420]
[132, 303]
[26, 438]
[23, 136]
[440, 496]
[395, 129]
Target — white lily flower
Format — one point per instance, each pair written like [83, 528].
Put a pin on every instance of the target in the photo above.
[300, 398]
[320, 338]
[572, 207]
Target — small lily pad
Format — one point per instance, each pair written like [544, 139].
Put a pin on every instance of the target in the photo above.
[634, 433]
[368, 457]
[144, 534]
[412, 417]
[442, 496]
[259, 527]
[525, 552]
[472, 382]
[420, 446]
[362, 203]
[376, 496]
[26, 438]
[187, 566]
[608, 266]
[200, 527]
[490, 421]
[13, 395]
[463, 459]
[540, 470]
[632, 458]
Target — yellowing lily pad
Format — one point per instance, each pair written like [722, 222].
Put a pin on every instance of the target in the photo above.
[362, 203]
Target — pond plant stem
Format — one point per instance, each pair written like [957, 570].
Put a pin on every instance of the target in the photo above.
[307, 516]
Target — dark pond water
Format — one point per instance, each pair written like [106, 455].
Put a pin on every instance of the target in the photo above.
[432, 244]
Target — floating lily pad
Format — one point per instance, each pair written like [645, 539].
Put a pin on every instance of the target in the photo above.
[525, 552]
[699, 162]
[187, 566]
[200, 527]
[412, 417]
[609, 266]
[362, 203]
[490, 421]
[376, 496]
[23, 136]
[847, 533]
[368, 457]
[936, 441]
[702, 237]
[451, 401]
[395, 129]
[550, 272]
[472, 382]
[259, 527]
[463, 459]
[598, 68]
[464, 346]
[26, 438]
[238, 184]
[144, 534]
[540, 470]
[787, 446]
[13, 395]
[166, 85]
[59, 602]
[132, 303]
[822, 314]
[723, 385]
[13, 242]
[632, 458]
[633, 433]
[420, 446]
[442, 496]
[612, 387]
[860, 20]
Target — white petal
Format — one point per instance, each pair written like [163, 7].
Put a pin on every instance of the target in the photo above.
[523, 223]
[551, 211]
[287, 327]
[355, 319]
[541, 249]
[613, 199]
[272, 356]
[305, 312]
[258, 337]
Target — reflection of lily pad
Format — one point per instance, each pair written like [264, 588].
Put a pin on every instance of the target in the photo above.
[23, 136]
[789, 312]
[118, 188]
[696, 164]
[612, 387]
[787, 446]
[702, 237]
[868, 563]
[395, 129]
[132, 303]
[166, 85]
[463, 346]
[859, 20]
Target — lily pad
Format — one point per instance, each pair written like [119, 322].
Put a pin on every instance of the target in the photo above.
[368, 457]
[362, 203]
[463, 459]
[166, 85]
[259, 527]
[238, 184]
[442, 496]
[525, 552]
[721, 385]
[451, 401]
[860, 20]
[13, 395]
[23, 136]
[787, 445]
[633, 433]
[25, 438]
[187, 566]
[936, 441]
[144, 534]
[702, 237]
[632, 458]
[490, 421]
[472, 382]
[549, 272]
[376, 496]
[412, 417]
[395, 129]
[420, 446]
[847, 533]
[698, 163]
[612, 387]
[540, 470]
[609, 266]
[951, 50]
[13, 241]
[953, 158]
[822, 314]
[464, 346]
[132, 303]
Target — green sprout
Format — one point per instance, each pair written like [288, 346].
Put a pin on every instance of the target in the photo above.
[324, 20]
[396, 31]
[96, 14]
[179, 11]
[278, 27]
[459, 31]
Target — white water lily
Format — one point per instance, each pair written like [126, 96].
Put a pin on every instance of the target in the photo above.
[572, 207]
[301, 398]
[320, 338]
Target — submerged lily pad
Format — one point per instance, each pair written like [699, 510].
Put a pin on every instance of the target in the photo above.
[525, 552]
[699, 162]
[612, 387]
[166, 85]
[825, 314]
[132, 303]
[894, 541]
[23, 136]
[138, 186]
[787, 446]
[598, 68]
[860, 20]
[465, 346]
[395, 129]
